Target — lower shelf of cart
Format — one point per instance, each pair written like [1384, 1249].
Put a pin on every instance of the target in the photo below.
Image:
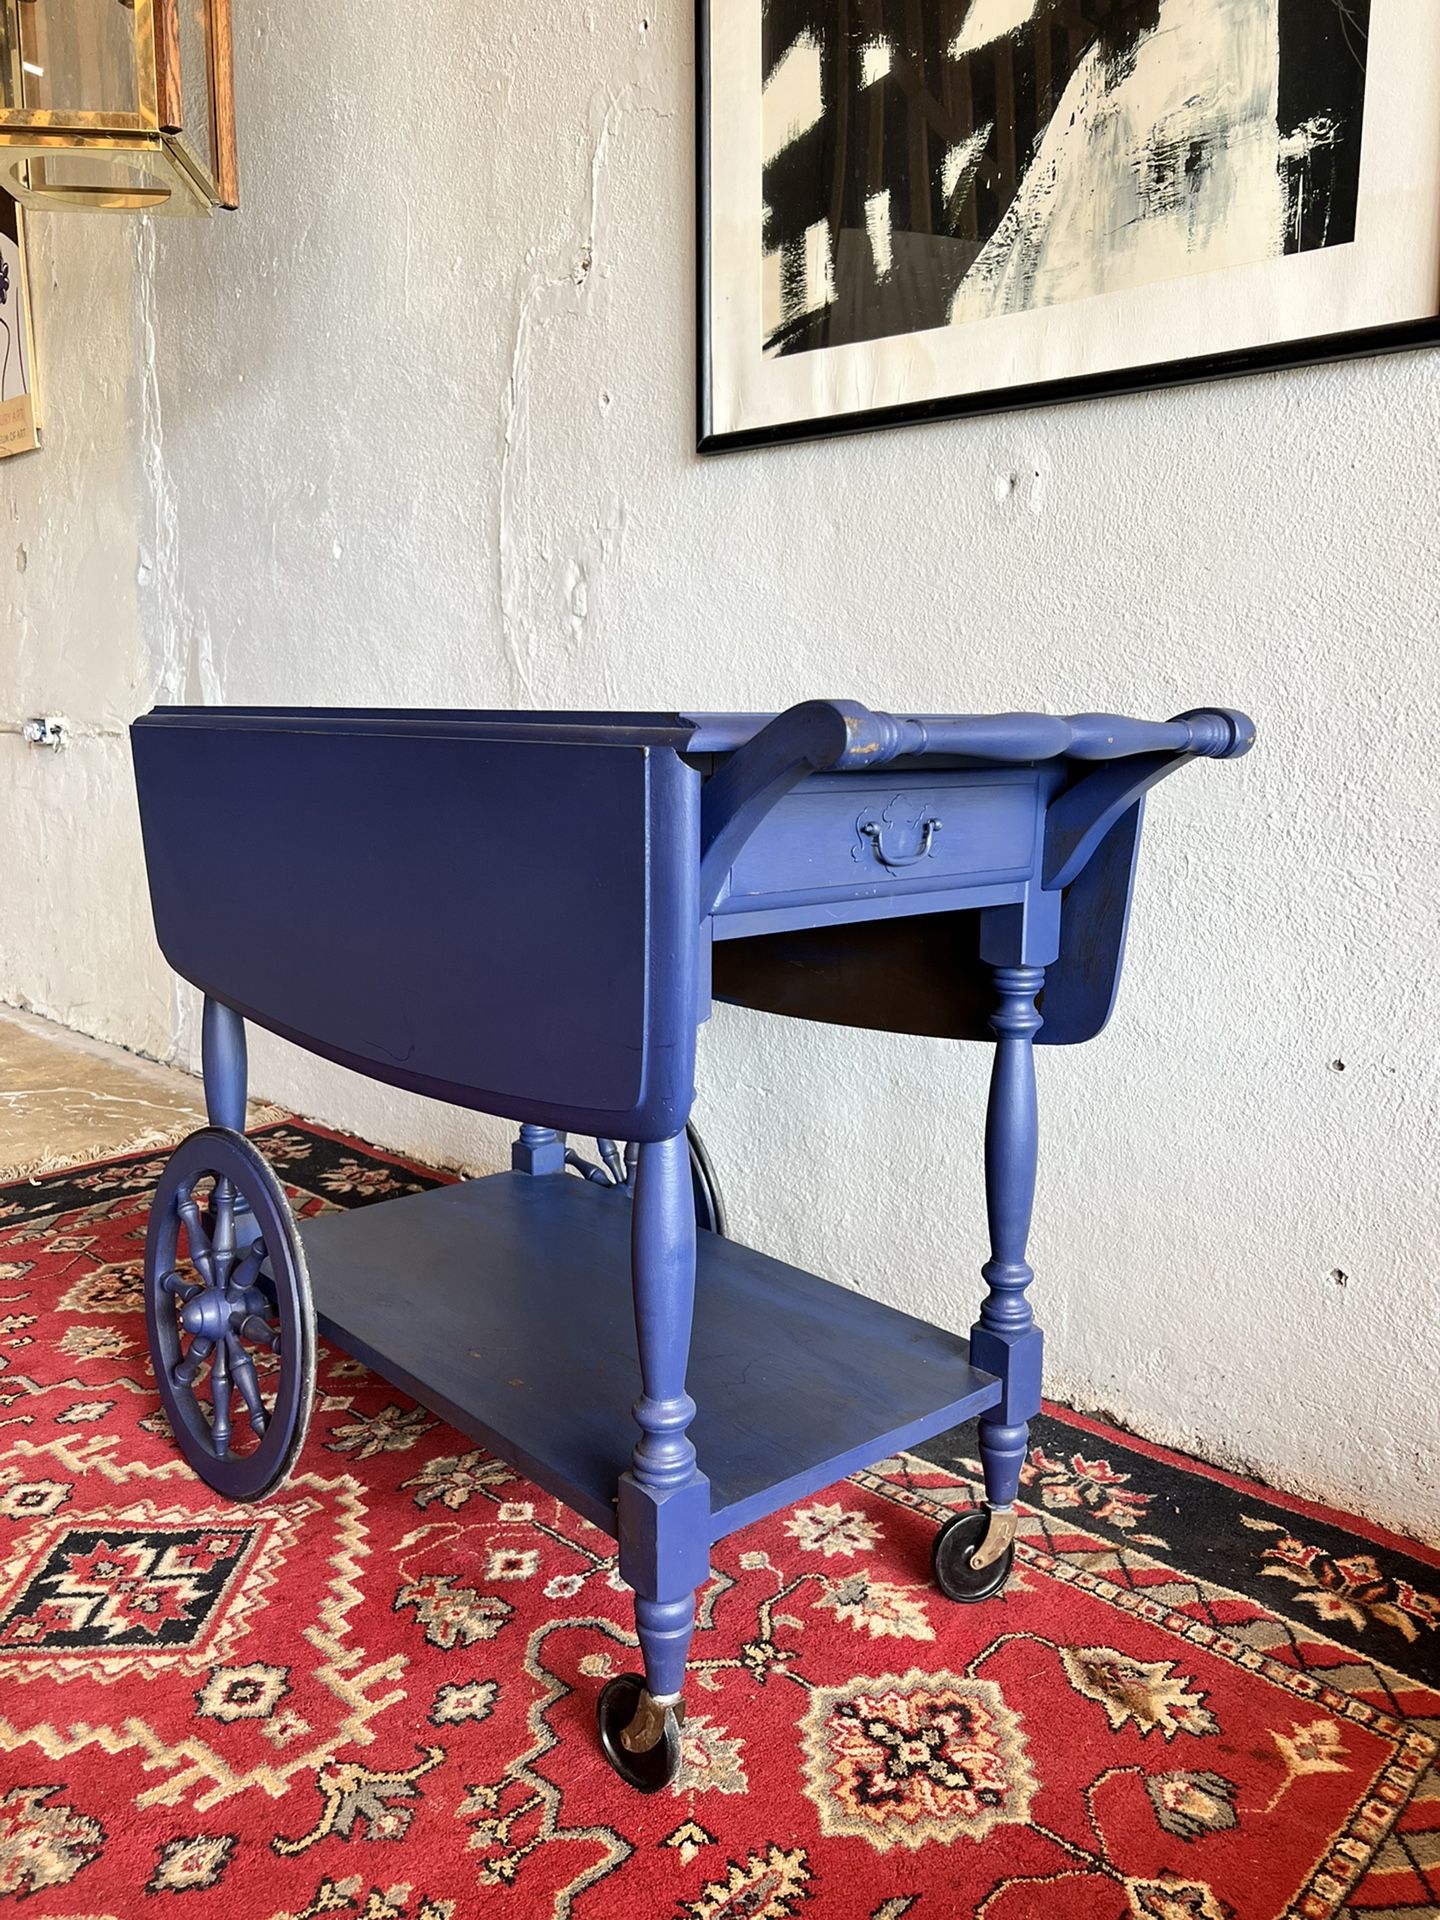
[504, 1305]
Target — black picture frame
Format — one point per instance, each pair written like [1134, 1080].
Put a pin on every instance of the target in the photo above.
[1317, 350]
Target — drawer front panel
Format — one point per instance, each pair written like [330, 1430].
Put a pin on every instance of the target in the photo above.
[837, 837]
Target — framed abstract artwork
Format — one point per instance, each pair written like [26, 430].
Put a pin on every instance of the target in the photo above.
[19, 427]
[919, 208]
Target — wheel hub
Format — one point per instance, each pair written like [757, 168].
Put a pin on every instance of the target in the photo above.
[215, 1311]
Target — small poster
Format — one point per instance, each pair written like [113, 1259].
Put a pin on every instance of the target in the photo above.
[18, 427]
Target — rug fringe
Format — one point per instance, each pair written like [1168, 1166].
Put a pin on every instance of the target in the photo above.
[150, 1140]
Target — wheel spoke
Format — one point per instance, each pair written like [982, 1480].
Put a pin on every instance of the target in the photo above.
[247, 1272]
[220, 1398]
[222, 1239]
[201, 1252]
[187, 1372]
[260, 1333]
[183, 1289]
[247, 1382]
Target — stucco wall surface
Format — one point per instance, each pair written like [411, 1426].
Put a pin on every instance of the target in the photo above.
[415, 427]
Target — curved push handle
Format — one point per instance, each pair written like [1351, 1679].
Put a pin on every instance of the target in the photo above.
[767, 757]
[841, 736]
[874, 832]
[1080, 818]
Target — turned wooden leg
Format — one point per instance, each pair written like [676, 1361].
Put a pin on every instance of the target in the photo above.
[664, 1500]
[538, 1150]
[223, 1062]
[1005, 1340]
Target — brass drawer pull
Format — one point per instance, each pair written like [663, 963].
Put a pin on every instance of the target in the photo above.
[875, 833]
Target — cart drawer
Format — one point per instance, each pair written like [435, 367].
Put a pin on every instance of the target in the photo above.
[837, 837]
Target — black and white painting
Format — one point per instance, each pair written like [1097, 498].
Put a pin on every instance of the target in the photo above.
[909, 203]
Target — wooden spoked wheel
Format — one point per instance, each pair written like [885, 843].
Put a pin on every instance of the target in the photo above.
[618, 1170]
[709, 1207]
[228, 1313]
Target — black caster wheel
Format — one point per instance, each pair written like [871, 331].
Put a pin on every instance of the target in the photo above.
[951, 1554]
[616, 1710]
[227, 1303]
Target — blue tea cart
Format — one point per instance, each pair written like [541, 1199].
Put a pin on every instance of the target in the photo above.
[529, 914]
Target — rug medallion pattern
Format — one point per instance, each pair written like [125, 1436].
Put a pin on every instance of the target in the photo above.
[373, 1694]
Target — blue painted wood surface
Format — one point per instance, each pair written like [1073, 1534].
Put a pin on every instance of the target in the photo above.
[526, 913]
[505, 1303]
[1005, 1339]
[445, 879]
[223, 1058]
[663, 1506]
[837, 838]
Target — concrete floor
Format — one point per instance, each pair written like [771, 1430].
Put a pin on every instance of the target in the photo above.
[65, 1099]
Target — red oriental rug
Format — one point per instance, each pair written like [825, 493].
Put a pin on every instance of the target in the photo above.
[373, 1695]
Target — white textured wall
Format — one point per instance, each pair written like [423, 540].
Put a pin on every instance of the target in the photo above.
[415, 427]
